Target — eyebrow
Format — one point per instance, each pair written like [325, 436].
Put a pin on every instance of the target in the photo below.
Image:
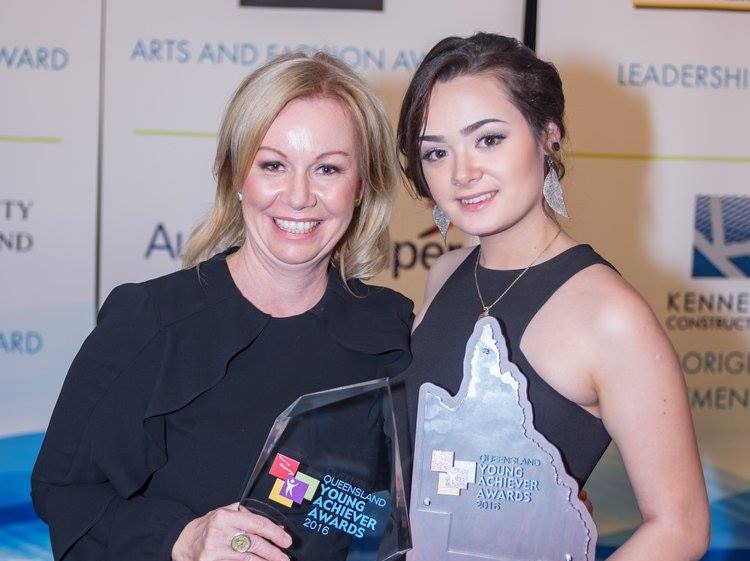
[324, 154]
[464, 131]
[333, 153]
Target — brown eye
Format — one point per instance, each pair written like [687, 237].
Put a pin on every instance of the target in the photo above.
[490, 140]
[434, 155]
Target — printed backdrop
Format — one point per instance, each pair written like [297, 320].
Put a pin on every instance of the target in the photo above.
[49, 106]
[658, 113]
[107, 132]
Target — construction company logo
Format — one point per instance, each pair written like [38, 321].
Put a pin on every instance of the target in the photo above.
[453, 475]
[291, 485]
[722, 237]
[372, 5]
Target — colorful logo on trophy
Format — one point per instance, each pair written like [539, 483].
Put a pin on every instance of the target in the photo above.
[722, 236]
[291, 485]
[453, 475]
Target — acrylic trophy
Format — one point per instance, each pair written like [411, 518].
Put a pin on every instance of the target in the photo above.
[487, 485]
[330, 474]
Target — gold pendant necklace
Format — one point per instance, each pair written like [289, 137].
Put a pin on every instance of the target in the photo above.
[486, 308]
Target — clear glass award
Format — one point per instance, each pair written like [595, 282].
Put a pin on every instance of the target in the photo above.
[486, 484]
[330, 474]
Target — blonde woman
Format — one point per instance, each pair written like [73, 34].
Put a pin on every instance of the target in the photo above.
[168, 403]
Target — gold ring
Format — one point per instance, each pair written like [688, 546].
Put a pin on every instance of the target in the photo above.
[240, 542]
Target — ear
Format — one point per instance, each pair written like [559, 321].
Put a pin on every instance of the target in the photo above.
[360, 193]
[551, 134]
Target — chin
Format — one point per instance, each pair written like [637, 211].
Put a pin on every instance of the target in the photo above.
[298, 258]
[481, 227]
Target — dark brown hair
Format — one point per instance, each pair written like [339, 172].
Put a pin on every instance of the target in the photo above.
[533, 86]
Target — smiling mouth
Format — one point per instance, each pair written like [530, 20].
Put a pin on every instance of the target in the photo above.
[297, 226]
[478, 199]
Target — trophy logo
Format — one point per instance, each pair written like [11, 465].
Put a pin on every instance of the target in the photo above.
[337, 498]
[291, 485]
[453, 476]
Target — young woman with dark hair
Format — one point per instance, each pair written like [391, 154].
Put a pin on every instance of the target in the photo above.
[480, 131]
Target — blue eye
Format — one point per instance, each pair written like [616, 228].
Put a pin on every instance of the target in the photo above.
[273, 166]
[490, 140]
[434, 155]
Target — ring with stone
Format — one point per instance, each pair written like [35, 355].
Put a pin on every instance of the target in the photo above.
[240, 542]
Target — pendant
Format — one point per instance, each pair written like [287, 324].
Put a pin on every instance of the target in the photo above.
[485, 313]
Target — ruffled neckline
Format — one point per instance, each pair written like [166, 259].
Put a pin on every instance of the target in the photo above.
[361, 317]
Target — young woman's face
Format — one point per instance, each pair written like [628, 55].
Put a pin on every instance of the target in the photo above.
[481, 160]
[300, 191]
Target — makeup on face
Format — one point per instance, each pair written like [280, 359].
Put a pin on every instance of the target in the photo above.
[298, 197]
[479, 155]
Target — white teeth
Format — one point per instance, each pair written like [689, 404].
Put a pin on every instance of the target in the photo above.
[478, 199]
[296, 227]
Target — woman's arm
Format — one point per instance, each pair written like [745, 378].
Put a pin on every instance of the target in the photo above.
[88, 478]
[643, 402]
[87, 516]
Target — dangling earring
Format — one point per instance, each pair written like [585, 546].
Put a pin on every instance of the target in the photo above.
[441, 221]
[552, 190]
[239, 196]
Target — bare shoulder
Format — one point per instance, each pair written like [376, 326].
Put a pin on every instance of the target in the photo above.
[613, 316]
[443, 268]
[440, 272]
[616, 305]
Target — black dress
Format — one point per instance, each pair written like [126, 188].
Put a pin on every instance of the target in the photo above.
[167, 405]
[439, 343]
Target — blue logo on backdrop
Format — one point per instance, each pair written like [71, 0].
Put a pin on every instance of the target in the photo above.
[33, 58]
[716, 76]
[722, 236]
[23, 537]
[19, 342]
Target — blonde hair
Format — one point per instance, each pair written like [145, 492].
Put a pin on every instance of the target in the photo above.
[363, 250]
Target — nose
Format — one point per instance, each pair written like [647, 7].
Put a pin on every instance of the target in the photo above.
[300, 194]
[464, 172]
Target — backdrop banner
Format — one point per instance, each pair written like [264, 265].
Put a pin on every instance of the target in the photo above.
[168, 69]
[49, 107]
[659, 159]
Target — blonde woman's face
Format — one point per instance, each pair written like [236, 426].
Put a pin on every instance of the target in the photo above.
[480, 158]
[300, 192]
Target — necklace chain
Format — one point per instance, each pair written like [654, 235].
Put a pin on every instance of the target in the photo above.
[486, 308]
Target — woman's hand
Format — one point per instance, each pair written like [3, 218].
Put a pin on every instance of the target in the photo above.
[208, 538]
[584, 497]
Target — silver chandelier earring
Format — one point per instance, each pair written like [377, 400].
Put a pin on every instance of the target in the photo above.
[552, 190]
[441, 221]
[239, 196]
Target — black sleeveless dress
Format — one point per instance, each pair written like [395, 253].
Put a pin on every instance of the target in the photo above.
[439, 343]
